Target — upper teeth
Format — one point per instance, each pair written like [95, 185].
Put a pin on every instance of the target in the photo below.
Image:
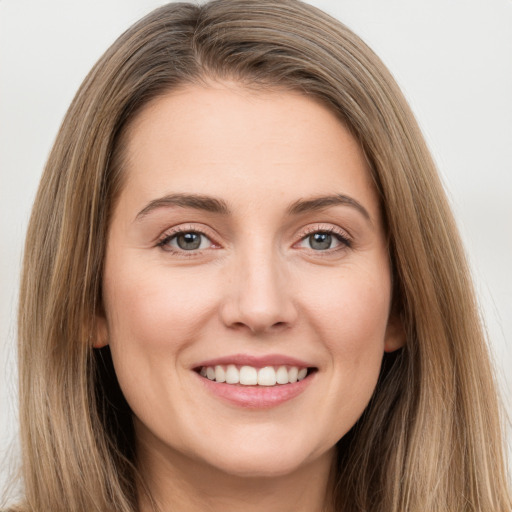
[250, 376]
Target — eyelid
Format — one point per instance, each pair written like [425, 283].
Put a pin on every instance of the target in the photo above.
[170, 233]
[343, 236]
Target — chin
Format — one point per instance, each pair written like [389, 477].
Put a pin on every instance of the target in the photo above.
[269, 468]
[267, 463]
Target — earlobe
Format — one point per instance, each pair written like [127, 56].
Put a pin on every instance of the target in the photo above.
[395, 334]
[100, 338]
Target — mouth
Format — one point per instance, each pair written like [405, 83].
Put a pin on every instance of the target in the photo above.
[245, 375]
[256, 381]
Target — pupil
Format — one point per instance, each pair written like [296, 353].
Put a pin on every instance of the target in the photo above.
[320, 241]
[189, 241]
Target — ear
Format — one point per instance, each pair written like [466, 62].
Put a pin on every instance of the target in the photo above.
[395, 333]
[100, 331]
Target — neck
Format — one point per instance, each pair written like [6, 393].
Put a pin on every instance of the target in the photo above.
[178, 483]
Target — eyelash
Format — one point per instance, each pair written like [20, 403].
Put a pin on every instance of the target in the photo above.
[340, 235]
[173, 233]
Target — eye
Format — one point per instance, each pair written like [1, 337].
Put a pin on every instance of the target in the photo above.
[324, 241]
[186, 241]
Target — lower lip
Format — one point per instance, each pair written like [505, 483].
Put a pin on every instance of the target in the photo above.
[257, 397]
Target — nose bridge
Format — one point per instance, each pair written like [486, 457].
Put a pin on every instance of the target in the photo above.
[260, 299]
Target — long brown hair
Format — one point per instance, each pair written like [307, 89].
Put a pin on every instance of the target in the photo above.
[430, 438]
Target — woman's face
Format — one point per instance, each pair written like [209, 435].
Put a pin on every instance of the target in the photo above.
[247, 244]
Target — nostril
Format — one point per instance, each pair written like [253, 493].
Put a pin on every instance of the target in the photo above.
[258, 303]
[256, 327]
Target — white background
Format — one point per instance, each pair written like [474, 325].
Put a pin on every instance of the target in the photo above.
[452, 58]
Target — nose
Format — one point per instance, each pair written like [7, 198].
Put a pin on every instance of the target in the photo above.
[260, 295]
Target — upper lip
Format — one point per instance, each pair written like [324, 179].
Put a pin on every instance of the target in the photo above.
[255, 361]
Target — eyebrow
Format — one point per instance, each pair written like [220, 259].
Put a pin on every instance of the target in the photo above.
[215, 205]
[195, 201]
[322, 202]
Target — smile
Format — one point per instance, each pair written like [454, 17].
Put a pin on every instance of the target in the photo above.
[256, 381]
[252, 376]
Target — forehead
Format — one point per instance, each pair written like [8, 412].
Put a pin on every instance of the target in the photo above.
[224, 139]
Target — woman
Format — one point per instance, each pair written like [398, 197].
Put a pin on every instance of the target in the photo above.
[254, 295]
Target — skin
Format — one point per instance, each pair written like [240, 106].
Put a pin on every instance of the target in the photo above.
[256, 286]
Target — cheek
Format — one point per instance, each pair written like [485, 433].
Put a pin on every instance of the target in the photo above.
[351, 316]
[352, 307]
[155, 309]
[154, 314]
